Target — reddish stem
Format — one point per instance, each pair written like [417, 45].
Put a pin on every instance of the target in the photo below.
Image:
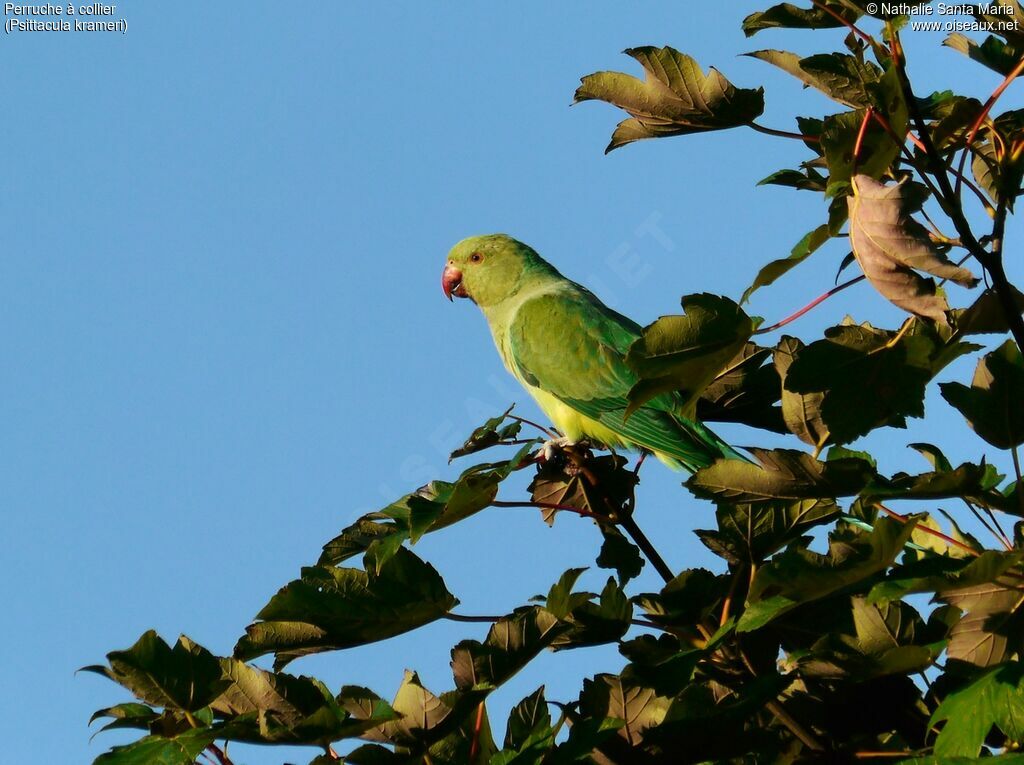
[820, 299]
[848, 24]
[475, 744]
[976, 126]
[927, 530]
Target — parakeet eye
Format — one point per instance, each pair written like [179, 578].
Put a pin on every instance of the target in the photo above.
[476, 257]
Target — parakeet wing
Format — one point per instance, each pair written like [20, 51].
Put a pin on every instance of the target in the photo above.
[570, 345]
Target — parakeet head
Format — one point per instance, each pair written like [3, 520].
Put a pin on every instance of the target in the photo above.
[488, 269]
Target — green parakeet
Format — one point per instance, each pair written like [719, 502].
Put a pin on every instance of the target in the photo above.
[568, 350]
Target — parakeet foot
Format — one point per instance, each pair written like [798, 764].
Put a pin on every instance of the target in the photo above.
[554, 445]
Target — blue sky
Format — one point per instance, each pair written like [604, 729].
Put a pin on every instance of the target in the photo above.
[223, 331]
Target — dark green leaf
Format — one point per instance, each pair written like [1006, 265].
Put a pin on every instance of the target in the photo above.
[750, 533]
[685, 353]
[782, 474]
[841, 77]
[675, 98]
[620, 554]
[800, 411]
[745, 391]
[992, 405]
[511, 643]
[332, 608]
[185, 677]
[799, 575]
[789, 16]
[157, 750]
[986, 314]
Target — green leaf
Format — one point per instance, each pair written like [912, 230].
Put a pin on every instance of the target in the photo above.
[511, 643]
[597, 623]
[620, 554]
[685, 353]
[745, 391]
[675, 98]
[807, 180]
[430, 508]
[685, 602]
[986, 314]
[782, 474]
[419, 710]
[940, 574]
[750, 533]
[157, 750]
[853, 359]
[332, 608]
[992, 403]
[996, 699]
[800, 411]
[185, 677]
[789, 16]
[610, 696]
[527, 719]
[991, 629]
[877, 154]
[997, 55]
[493, 432]
[891, 247]
[810, 242]
[799, 576]
[839, 76]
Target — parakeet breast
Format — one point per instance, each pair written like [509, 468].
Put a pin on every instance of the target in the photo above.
[572, 424]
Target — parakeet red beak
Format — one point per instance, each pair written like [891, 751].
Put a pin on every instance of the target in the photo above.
[451, 282]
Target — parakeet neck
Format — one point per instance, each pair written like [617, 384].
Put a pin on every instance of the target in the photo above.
[533, 282]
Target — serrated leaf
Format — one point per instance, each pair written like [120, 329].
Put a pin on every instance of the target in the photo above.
[991, 52]
[877, 154]
[891, 247]
[853, 359]
[332, 608]
[750, 533]
[992, 405]
[991, 629]
[781, 474]
[986, 314]
[798, 575]
[528, 718]
[675, 98]
[430, 508]
[789, 16]
[685, 353]
[569, 483]
[800, 411]
[839, 76]
[158, 750]
[807, 180]
[186, 677]
[745, 391]
[610, 696]
[994, 699]
[620, 554]
[511, 643]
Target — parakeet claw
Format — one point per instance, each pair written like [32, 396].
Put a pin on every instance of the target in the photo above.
[555, 445]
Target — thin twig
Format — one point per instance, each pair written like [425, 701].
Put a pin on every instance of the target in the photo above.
[541, 428]
[1016, 470]
[781, 714]
[949, 203]
[629, 526]
[980, 119]
[997, 532]
[784, 133]
[927, 530]
[220, 754]
[474, 745]
[820, 299]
